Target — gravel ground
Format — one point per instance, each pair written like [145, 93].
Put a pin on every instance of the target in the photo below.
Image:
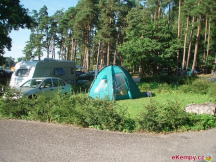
[28, 141]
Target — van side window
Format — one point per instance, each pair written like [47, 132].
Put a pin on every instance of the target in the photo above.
[59, 71]
[22, 72]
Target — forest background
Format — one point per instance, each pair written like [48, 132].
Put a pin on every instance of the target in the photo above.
[149, 36]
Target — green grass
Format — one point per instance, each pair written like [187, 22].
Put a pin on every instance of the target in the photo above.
[136, 106]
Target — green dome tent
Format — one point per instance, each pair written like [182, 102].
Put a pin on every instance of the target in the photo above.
[114, 83]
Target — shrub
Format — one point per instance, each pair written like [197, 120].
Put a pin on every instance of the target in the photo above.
[170, 117]
[212, 91]
[79, 109]
[200, 86]
[149, 119]
[169, 79]
[76, 109]
[164, 88]
[202, 122]
[185, 88]
[162, 118]
[14, 108]
[144, 87]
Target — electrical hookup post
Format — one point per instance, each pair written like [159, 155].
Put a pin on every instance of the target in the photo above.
[208, 158]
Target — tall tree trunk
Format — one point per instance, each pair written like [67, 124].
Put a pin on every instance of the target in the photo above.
[169, 16]
[185, 44]
[87, 58]
[152, 16]
[48, 44]
[196, 45]
[75, 52]
[72, 49]
[159, 8]
[48, 51]
[179, 21]
[66, 53]
[205, 40]
[82, 61]
[61, 48]
[108, 44]
[140, 68]
[116, 48]
[102, 56]
[53, 50]
[209, 36]
[98, 54]
[87, 49]
[39, 55]
[121, 56]
[190, 44]
[108, 53]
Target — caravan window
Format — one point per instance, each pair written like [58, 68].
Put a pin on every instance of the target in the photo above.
[72, 70]
[22, 72]
[59, 71]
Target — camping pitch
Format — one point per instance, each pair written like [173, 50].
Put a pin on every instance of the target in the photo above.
[114, 83]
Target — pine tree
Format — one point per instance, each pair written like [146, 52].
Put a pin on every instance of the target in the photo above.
[83, 25]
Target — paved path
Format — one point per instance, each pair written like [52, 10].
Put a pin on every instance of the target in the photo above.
[26, 141]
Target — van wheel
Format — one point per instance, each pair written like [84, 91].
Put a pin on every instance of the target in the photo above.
[33, 96]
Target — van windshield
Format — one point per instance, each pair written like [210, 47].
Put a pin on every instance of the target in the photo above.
[22, 72]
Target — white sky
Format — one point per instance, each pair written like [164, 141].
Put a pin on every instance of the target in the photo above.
[20, 37]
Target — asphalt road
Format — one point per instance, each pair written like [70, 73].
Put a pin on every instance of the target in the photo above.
[27, 141]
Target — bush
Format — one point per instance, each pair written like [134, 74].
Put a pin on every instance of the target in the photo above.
[79, 109]
[202, 122]
[76, 109]
[163, 88]
[170, 117]
[169, 79]
[14, 108]
[162, 118]
[212, 91]
[198, 86]
[144, 87]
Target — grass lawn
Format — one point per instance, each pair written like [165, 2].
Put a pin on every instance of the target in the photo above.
[136, 106]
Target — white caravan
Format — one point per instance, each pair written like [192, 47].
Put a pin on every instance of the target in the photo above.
[26, 70]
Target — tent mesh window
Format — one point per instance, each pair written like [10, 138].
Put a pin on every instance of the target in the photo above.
[120, 86]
